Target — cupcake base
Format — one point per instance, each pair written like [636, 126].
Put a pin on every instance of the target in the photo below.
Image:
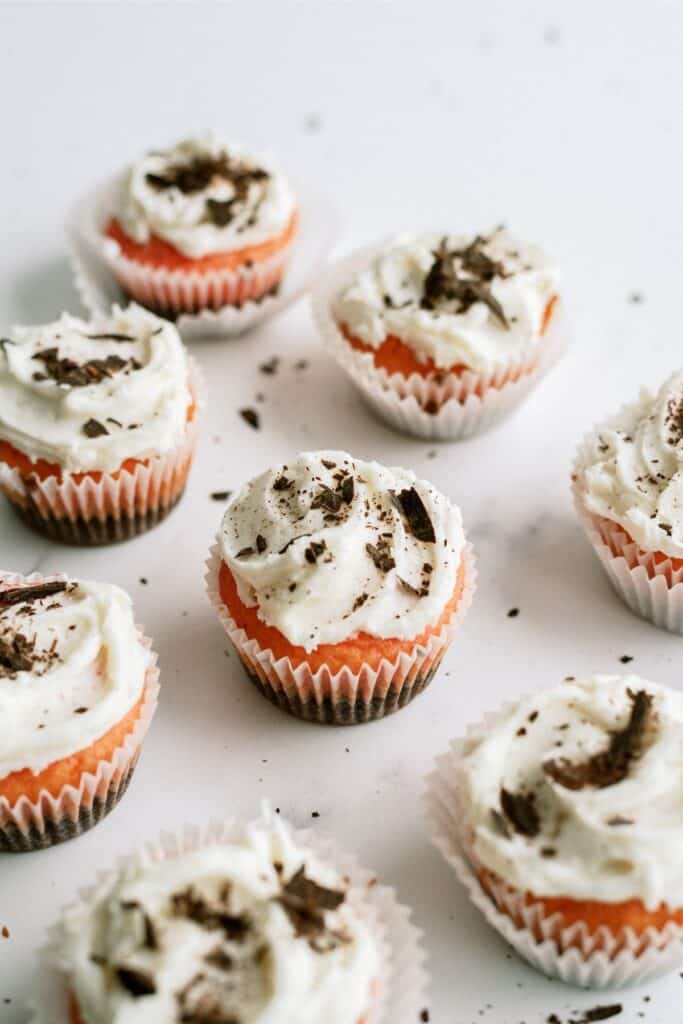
[344, 711]
[16, 840]
[92, 532]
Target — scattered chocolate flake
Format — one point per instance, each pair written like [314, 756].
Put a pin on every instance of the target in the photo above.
[245, 552]
[415, 591]
[314, 550]
[4, 932]
[599, 1013]
[220, 959]
[93, 428]
[80, 711]
[189, 904]
[327, 499]
[513, 613]
[261, 543]
[112, 337]
[305, 903]
[424, 1016]
[328, 465]
[220, 211]
[301, 364]
[381, 555]
[412, 507]
[17, 654]
[251, 417]
[446, 288]
[270, 367]
[137, 983]
[282, 483]
[636, 298]
[315, 814]
[610, 766]
[348, 489]
[78, 375]
[625, 658]
[617, 821]
[548, 851]
[220, 495]
[359, 602]
[198, 173]
[520, 810]
[17, 595]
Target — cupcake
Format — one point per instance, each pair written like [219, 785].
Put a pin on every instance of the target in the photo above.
[78, 688]
[200, 225]
[563, 815]
[443, 334]
[340, 584]
[628, 490]
[250, 924]
[97, 424]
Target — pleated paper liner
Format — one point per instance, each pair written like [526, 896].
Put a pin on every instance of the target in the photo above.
[652, 589]
[344, 698]
[467, 404]
[253, 295]
[598, 960]
[401, 988]
[89, 512]
[29, 825]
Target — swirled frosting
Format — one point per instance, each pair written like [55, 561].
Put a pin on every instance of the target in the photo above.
[578, 792]
[633, 472]
[72, 666]
[458, 300]
[328, 546]
[252, 931]
[88, 395]
[202, 197]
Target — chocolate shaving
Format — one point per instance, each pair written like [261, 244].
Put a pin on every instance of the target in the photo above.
[314, 550]
[220, 495]
[444, 287]
[16, 655]
[110, 337]
[79, 375]
[270, 367]
[348, 489]
[305, 903]
[93, 428]
[191, 905]
[520, 810]
[17, 595]
[412, 508]
[282, 483]
[196, 174]
[610, 766]
[381, 555]
[137, 983]
[245, 552]
[599, 1013]
[261, 543]
[327, 499]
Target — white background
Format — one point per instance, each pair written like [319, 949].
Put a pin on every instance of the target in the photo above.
[564, 120]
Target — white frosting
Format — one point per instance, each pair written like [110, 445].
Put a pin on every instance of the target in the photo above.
[98, 663]
[634, 474]
[273, 976]
[142, 404]
[315, 580]
[181, 218]
[591, 859]
[473, 338]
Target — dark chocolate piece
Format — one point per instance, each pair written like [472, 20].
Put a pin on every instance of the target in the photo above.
[17, 595]
[251, 417]
[137, 983]
[520, 810]
[413, 510]
[93, 428]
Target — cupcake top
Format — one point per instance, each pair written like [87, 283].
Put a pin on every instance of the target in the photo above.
[203, 196]
[578, 792]
[458, 300]
[72, 665]
[633, 470]
[328, 546]
[249, 931]
[89, 395]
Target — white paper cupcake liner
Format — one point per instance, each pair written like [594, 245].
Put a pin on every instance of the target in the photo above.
[114, 507]
[29, 825]
[652, 590]
[596, 960]
[93, 261]
[345, 697]
[467, 403]
[402, 986]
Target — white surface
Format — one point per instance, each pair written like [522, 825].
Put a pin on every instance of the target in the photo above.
[563, 120]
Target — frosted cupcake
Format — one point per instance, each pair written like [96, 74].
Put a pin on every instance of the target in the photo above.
[628, 488]
[201, 225]
[78, 688]
[98, 423]
[566, 811]
[443, 334]
[340, 583]
[244, 924]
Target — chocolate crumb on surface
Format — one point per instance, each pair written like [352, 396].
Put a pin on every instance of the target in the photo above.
[4, 932]
[625, 659]
[270, 367]
[513, 613]
[220, 495]
[610, 766]
[520, 810]
[599, 1013]
[251, 417]
[424, 1016]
